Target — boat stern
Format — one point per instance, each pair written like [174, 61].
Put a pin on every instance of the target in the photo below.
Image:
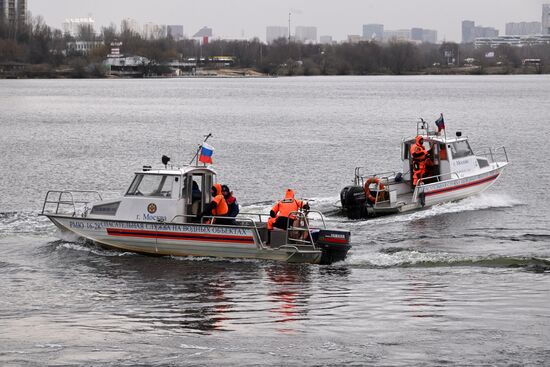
[334, 245]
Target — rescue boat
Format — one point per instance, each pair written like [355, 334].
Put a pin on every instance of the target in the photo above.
[158, 215]
[456, 173]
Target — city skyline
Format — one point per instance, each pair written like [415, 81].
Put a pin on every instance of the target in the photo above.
[245, 19]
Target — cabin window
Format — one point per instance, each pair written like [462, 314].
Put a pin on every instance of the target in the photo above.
[106, 209]
[460, 149]
[152, 185]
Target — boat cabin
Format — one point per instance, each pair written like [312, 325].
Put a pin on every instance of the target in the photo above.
[450, 157]
[164, 195]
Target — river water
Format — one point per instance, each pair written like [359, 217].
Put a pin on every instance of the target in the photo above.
[464, 283]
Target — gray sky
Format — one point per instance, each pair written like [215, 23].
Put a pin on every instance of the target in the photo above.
[235, 18]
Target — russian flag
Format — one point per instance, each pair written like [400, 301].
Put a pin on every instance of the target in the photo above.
[440, 123]
[206, 153]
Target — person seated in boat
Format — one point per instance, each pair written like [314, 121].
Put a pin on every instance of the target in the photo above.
[280, 214]
[420, 159]
[216, 208]
[233, 206]
[196, 197]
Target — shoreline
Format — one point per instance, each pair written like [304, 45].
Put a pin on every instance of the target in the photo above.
[42, 71]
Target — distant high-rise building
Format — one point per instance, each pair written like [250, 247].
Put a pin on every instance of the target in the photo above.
[354, 38]
[523, 28]
[417, 34]
[468, 31]
[398, 35]
[373, 32]
[325, 40]
[21, 11]
[14, 12]
[429, 36]
[73, 26]
[546, 19]
[486, 32]
[130, 25]
[175, 31]
[275, 32]
[424, 35]
[306, 34]
[203, 32]
[153, 31]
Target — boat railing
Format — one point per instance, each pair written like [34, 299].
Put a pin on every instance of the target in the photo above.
[494, 154]
[259, 215]
[359, 179]
[424, 126]
[300, 234]
[297, 235]
[61, 199]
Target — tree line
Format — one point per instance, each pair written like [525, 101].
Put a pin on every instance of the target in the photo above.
[37, 43]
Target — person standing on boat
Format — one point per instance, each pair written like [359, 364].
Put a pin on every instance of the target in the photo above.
[217, 207]
[232, 205]
[420, 159]
[280, 213]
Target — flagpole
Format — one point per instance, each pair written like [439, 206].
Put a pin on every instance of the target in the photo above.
[444, 129]
[199, 149]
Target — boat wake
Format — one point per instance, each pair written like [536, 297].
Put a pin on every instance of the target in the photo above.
[482, 201]
[405, 258]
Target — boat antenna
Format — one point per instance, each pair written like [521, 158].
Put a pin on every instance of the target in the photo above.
[199, 149]
[422, 126]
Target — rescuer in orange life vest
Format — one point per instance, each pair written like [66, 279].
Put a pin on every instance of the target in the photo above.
[280, 213]
[217, 207]
[420, 159]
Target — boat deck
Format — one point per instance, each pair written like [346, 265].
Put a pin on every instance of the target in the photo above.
[403, 199]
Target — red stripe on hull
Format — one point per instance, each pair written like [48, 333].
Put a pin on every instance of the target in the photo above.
[462, 186]
[179, 236]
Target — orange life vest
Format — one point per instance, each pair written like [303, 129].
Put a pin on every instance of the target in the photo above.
[221, 208]
[284, 207]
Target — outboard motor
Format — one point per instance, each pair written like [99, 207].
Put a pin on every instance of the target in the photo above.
[334, 245]
[353, 201]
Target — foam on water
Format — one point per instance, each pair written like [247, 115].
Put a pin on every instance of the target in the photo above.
[88, 248]
[413, 258]
[482, 201]
[25, 223]
[398, 258]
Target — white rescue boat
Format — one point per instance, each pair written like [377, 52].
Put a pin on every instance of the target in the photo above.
[158, 215]
[456, 172]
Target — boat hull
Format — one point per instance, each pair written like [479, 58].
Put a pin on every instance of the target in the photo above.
[457, 189]
[181, 239]
[427, 195]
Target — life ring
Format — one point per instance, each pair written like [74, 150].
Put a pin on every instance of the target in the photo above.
[370, 181]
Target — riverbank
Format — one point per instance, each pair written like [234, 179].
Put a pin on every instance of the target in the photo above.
[98, 71]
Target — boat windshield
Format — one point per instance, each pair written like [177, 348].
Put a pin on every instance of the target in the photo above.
[152, 185]
[461, 149]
